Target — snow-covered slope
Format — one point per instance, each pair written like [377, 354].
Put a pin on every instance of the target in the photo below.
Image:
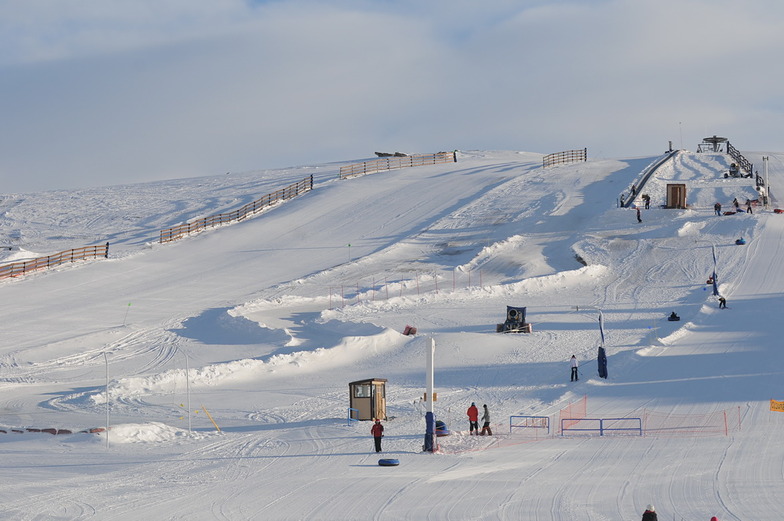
[274, 316]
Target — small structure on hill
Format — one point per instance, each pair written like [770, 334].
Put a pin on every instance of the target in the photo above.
[676, 195]
[712, 144]
[368, 398]
[515, 321]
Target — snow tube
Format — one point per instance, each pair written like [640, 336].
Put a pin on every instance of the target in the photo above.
[441, 428]
[388, 462]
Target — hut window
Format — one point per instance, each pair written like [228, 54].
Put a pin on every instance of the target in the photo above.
[362, 391]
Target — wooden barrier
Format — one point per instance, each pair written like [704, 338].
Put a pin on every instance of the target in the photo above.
[291, 191]
[395, 162]
[567, 156]
[744, 163]
[16, 269]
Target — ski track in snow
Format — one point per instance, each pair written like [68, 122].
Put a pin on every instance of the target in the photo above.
[248, 305]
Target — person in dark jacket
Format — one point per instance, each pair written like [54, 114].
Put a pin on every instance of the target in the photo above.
[473, 419]
[377, 430]
[486, 419]
[649, 514]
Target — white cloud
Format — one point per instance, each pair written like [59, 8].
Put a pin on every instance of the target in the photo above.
[102, 93]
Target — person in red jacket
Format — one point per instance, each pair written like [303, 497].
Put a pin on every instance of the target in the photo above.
[377, 430]
[473, 419]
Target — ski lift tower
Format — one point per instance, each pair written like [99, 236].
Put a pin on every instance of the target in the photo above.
[711, 144]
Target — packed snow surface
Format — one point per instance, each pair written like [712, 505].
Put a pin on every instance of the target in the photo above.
[220, 362]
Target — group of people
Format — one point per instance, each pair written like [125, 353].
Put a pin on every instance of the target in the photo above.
[377, 430]
[736, 204]
[473, 420]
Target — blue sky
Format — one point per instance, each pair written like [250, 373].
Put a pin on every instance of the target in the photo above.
[103, 93]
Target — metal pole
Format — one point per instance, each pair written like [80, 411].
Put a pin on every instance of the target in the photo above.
[430, 419]
[106, 362]
[188, 389]
[767, 185]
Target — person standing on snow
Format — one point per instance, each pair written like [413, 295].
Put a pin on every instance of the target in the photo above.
[722, 303]
[573, 363]
[639, 217]
[717, 208]
[473, 419]
[486, 420]
[377, 430]
[649, 514]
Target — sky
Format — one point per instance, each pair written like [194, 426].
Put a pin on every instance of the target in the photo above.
[103, 93]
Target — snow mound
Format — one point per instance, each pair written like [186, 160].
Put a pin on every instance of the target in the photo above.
[152, 432]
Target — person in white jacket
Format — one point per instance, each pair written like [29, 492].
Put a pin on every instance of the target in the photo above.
[574, 365]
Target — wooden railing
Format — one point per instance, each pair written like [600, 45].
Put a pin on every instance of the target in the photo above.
[291, 191]
[391, 163]
[742, 161]
[15, 269]
[567, 156]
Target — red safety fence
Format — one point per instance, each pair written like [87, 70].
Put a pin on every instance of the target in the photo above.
[18, 268]
[573, 413]
[718, 423]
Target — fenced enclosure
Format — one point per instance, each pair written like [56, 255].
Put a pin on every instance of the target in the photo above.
[718, 423]
[602, 426]
[538, 423]
[289, 192]
[395, 162]
[573, 413]
[16, 269]
[567, 156]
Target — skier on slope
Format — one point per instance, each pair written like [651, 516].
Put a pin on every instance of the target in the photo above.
[473, 419]
[649, 514]
[573, 363]
[486, 419]
[377, 430]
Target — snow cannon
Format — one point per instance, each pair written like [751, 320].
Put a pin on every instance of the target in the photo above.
[515, 321]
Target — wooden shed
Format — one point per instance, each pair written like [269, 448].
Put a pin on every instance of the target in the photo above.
[368, 398]
[676, 196]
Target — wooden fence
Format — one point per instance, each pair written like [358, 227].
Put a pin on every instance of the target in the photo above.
[391, 163]
[291, 191]
[568, 156]
[15, 269]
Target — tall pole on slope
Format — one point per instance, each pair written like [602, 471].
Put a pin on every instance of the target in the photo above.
[765, 160]
[106, 362]
[430, 397]
[681, 132]
[188, 390]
